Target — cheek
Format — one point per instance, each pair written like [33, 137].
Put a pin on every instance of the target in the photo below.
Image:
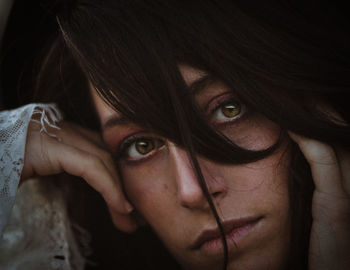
[154, 197]
[265, 180]
[254, 133]
[263, 184]
[146, 193]
[261, 189]
[269, 174]
[149, 189]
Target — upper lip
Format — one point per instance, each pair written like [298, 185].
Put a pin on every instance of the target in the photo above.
[228, 226]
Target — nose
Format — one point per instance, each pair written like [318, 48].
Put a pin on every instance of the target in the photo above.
[189, 191]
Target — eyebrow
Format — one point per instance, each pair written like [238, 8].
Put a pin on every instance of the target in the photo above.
[201, 84]
[195, 88]
[115, 120]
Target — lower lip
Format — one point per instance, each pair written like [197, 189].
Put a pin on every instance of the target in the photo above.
[215, 246]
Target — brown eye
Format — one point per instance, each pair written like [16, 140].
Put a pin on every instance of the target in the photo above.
[144, 146]
[231, 110]
[228, 110]
[141, 147]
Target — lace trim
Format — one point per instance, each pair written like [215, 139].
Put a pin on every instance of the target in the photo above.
[48, 116]
[38, 234]
[13, 133]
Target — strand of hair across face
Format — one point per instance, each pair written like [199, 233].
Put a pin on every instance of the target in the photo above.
[211, 204]
[187, 143]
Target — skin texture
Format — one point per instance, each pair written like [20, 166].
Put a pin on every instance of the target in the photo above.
[163, 189]
[165, 181]
[330, 233]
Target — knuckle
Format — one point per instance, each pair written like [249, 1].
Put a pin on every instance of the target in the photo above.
[106, 157]
[321, 153]
[93, 162]
[90, 163]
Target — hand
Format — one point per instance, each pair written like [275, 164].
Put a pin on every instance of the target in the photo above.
[81, 153]
[330, 231]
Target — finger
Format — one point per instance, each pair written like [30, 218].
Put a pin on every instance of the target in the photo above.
[126, 223]
[324, 165]
[344, 161]
[72, 128]
[78, 156]
[91, 168]
[92, 136]
[71, 137]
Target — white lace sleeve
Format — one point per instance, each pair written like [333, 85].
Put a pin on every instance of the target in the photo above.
[38, 233]
[13, 132]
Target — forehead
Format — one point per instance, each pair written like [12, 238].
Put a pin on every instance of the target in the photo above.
[103, 110]
[189, 74]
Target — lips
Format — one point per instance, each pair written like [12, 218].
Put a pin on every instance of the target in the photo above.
[234, 230]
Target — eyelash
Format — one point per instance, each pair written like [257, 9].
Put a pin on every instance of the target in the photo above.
[129, 141]
[223, 99]
[218, 102]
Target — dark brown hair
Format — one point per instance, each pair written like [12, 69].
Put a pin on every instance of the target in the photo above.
[281, 62]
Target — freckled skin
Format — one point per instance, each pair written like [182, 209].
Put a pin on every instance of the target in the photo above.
[166, 193]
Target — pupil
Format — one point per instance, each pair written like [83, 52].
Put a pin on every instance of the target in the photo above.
[231, 110]
[143, 147]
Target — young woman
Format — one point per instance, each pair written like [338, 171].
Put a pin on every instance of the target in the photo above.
[222, 127]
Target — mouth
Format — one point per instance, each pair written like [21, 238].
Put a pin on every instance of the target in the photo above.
[209, 241]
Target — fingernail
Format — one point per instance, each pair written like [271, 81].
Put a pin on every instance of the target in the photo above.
[128, 207]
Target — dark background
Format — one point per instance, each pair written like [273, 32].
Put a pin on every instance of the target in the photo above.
[32, 22]
[29, 28]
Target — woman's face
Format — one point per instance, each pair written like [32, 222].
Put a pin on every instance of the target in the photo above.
[251, 199]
